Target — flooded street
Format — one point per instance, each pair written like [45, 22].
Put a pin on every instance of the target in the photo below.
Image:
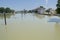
[29, 26]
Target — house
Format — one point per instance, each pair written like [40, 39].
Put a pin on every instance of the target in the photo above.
[41, 10]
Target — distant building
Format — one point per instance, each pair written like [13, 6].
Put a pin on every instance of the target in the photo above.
[41, 10]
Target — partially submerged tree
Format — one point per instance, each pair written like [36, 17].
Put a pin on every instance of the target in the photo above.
[6, 10]
[49, 10]
[2, 9]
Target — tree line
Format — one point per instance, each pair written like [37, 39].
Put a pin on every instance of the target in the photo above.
[6, 10]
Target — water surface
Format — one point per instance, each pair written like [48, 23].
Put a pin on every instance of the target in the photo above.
[29, 26]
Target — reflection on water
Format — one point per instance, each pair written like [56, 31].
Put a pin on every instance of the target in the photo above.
[29, 26]
[39, 16]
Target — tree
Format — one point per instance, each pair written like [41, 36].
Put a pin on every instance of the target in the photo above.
[41, 7]
[2, 9]
[48, 10]
[12, 11]
[8, 10]
[30, 11]
[58, 7]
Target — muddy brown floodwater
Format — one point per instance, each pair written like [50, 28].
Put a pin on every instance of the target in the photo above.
[29, 26]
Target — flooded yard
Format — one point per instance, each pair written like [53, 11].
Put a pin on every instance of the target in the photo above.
[29, 26]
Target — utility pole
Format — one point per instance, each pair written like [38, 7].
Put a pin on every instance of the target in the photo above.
[5, 18]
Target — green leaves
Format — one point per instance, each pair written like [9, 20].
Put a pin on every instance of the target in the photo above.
[6, 10]
[58, 7]
[2, 9]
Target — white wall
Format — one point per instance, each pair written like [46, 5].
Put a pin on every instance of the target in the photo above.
[41, 11]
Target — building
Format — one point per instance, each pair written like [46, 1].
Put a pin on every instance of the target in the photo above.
[41, 10]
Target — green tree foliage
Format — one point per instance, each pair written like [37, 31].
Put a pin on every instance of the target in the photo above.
[6, 10]
[48, 10]
[12, 11]
[58, 7]
[30, 11]
[41, 7]
[2, 9]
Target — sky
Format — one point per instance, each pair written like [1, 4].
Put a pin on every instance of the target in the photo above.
[28, 4]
